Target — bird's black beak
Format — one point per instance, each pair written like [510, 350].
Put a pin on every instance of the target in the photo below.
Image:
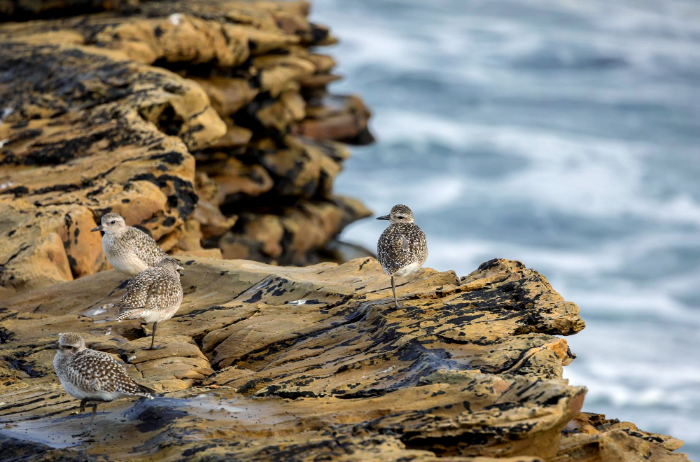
[98, 228]
[52, 346]
[385, 217]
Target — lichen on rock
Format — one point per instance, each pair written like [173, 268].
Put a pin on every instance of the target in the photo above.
[108, 111]
[265, 362]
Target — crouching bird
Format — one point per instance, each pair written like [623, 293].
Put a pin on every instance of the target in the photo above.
[93, 376]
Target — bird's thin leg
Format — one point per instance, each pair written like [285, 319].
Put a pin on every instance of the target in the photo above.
[92, 419]
[153, 339]
[83, 403]
[393, 289]
[153, 336]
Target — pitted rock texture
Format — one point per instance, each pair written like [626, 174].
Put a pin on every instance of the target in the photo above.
[314, 363]
[108, 111]
[74, 149]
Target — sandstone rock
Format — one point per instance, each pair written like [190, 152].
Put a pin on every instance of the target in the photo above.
[290, 235]
[591, 436]
[81, 139]
[189, 241]
[228, 95]
[337, 118]
[315, 363]
[103, 113]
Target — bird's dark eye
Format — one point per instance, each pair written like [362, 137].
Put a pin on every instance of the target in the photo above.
[113, 221]
[401, 217]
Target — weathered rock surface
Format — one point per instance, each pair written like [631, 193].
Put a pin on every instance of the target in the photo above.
[108, 112]
[314, 363]
[74, 149]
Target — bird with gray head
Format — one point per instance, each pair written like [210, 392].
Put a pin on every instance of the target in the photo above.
[402, 248]
[93, 376]
[127, 249]
[154, 295]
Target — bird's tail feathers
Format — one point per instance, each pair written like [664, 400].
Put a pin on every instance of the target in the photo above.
[129, 314]
[147, 391]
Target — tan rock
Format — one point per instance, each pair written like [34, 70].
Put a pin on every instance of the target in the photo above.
[290, 235]
[234, 137]
[190, 241]
[315, 362]
[228, 95]
[337, 118]
[110, 104]
[591, 436]
[66, 170]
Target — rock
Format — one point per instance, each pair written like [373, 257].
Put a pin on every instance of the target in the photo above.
[266, 362]
[189, 241]
[592, 436]
[228, 95]
[67, 160]
[290, 235]
[108, 112]
[342, 118]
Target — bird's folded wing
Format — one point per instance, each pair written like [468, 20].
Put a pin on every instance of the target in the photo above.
[98, 371]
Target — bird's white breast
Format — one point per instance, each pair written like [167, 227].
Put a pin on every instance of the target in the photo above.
[409, 269]
[120, 257]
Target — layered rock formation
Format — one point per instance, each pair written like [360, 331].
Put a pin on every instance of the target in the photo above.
[314, 363]
[208, 124]
[112, 111]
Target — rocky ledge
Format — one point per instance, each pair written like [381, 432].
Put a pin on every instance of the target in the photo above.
[283, 363]
[111, 111]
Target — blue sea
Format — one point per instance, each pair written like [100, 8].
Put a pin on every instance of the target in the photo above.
[562, 133]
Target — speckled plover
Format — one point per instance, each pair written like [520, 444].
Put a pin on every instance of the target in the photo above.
[153, 295]
[402, 248]
[128, 249]
[92, 376]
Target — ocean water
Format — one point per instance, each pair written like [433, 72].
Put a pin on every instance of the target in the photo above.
[564, 134]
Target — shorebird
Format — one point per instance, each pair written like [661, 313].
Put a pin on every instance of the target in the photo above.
[402, 248]
[128, 249]
[153, 295]
[93, 376]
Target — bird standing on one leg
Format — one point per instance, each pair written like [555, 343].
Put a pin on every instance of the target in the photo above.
[92, 376]
[153, 295]
[402, 248]
[128, 249]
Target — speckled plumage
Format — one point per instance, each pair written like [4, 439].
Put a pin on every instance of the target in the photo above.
[128, 249]
[91, 375]
[402, 248]
[153, 295]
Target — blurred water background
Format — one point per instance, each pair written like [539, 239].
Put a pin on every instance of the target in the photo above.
[562, 133]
